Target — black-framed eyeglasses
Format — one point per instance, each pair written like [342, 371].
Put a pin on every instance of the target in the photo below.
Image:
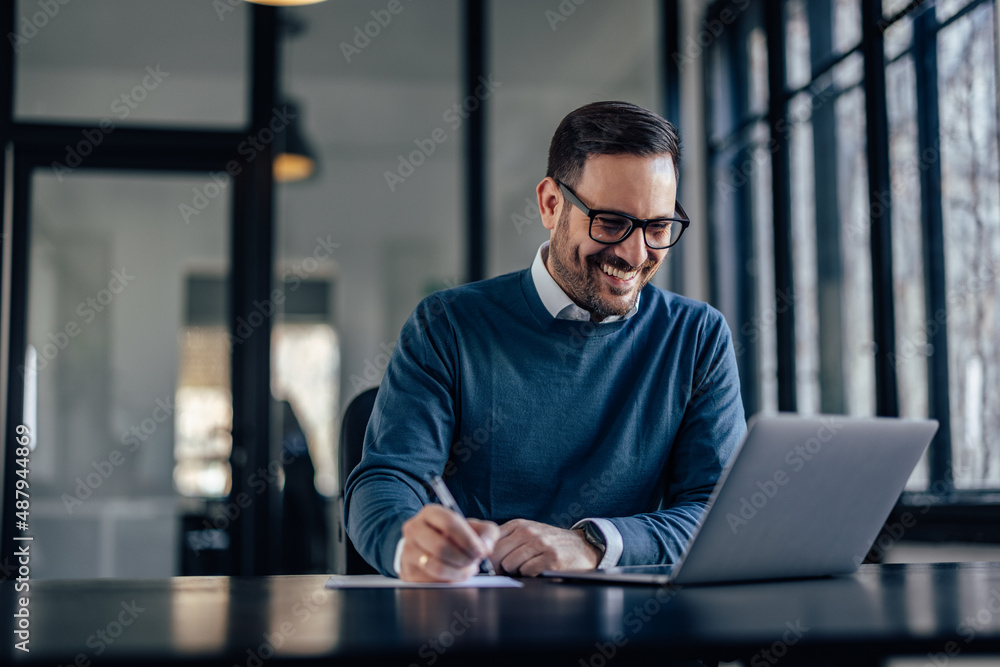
[611, 227]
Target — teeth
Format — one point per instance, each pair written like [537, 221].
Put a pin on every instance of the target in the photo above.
[621, 275]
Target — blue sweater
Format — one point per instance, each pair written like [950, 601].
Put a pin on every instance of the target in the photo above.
[528, 416]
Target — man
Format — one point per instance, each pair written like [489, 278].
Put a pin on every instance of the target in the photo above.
[579, 414]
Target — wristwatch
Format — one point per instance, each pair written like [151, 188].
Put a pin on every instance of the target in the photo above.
[594, 536]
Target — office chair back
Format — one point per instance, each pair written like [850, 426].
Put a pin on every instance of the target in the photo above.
[352, 440]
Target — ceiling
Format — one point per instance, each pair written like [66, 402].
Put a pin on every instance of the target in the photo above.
[421, 42]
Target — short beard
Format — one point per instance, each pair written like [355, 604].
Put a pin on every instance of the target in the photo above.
[585, 290]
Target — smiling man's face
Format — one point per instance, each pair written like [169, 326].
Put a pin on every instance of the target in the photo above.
[606, 279]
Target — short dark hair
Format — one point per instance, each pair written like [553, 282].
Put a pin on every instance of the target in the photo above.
[609, 128]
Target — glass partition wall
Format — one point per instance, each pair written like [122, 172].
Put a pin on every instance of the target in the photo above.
[128, 419]
[159, 382]
[118, 247]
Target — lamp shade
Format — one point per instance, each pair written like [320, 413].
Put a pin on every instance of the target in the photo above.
[285, 3]
[294, 160]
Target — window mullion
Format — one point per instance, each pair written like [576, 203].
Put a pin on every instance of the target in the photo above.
[781, 202]
[880, 208]
[929, 144]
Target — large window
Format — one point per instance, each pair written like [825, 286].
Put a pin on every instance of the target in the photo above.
[853, 151]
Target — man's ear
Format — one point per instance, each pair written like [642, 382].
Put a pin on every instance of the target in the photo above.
[550, 202]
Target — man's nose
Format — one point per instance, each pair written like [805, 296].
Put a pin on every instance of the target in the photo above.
[633, 249]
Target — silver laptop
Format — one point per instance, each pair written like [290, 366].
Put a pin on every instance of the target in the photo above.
[802, 497]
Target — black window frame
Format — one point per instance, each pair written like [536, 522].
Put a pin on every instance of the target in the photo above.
[941, 513]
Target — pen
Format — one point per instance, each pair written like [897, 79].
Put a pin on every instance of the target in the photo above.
[448, 500]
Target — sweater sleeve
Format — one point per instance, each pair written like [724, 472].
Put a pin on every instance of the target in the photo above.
[409, 435]
[711, 430]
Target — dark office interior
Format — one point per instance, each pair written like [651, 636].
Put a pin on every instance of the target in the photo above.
[217, 215]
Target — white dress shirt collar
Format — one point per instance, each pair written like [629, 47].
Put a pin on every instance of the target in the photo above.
[556, 301]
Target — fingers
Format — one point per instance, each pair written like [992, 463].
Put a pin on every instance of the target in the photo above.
[474, 538]
[526, 548]
[488, 532]
[512, 547]
[419, 565]
[535, 565]
[441, 546]
[422, 563]
[525, 553]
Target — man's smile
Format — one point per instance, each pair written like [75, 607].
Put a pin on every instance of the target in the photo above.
[624, 276]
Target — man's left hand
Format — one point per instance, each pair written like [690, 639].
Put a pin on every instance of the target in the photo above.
[526, 548]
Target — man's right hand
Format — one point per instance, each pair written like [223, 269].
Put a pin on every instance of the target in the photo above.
[442, 546]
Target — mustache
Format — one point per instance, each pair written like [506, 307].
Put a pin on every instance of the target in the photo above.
[614, 261]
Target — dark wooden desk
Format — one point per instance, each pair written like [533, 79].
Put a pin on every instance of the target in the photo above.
[888, 610]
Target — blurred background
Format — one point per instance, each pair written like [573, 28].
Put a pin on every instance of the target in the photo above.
[218, 215]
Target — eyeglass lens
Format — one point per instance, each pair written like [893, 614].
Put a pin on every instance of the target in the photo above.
[610, 229]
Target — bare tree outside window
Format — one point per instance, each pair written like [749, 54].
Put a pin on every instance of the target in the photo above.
[971, 201]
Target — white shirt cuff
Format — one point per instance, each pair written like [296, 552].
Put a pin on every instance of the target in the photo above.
[397, 560]
[614, 545]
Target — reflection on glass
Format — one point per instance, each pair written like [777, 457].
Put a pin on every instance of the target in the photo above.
[967, 97]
